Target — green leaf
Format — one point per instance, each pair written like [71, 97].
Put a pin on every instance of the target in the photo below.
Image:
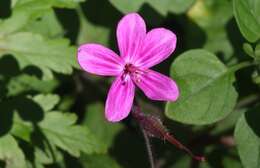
[163, 7]
[26, 11]
[33, 49]
[248, 50]
[47, 25]
[247, 137]
[69, 137]
[10, 153]
[105, 131]
[47, 102]
[24, 82]
[248, 18]
[98, 161]
[60, 130]
[206, 91]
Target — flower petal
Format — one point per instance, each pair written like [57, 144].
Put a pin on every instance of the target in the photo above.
[99, 60]
[157, 86]
[131, 31]
[158, 45]
[120, 99]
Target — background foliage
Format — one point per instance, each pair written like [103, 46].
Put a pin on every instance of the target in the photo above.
[51, 113]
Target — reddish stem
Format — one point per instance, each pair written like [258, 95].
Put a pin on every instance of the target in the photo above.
[153, 126]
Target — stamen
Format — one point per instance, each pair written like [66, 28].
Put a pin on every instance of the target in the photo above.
[134, 72]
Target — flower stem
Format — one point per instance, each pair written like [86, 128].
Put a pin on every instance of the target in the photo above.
[149, 148]
[136, 110]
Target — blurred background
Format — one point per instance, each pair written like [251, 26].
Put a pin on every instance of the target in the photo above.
[52, 113]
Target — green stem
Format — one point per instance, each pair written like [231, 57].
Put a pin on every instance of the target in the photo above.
[242, 65]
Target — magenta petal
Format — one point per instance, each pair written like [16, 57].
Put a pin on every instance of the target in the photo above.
[131, 31]
[120, 99]
[97, 59]
[159, 43]
[157, 86]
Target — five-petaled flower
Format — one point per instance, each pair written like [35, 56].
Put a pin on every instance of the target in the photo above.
[139, 50]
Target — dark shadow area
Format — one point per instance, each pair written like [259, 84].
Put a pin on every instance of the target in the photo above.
[9, 69]
[187, 32]
[33, 71]
[28, 150]
[236, 39]
[104, 14]
[129, 150]
[70, 22]
[151, 16]
[71, 161]
[27, 109]
[9, 66]
[5, 8]
[252, 118]
[2, 163]
[6, 119]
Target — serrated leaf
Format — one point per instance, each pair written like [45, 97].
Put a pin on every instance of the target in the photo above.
[10, 153]
[24, 82]
[247, 137]
[206, 87]
[47, 25]
[248, 18]
[59, 128]
[106, 131]
[47, 102]
[33, 49]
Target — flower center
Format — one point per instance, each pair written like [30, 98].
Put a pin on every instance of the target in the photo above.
[133, 72]
[129, 68]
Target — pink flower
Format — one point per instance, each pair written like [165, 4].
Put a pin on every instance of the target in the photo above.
[139, 51]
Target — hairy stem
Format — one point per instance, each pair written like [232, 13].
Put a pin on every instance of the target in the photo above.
[149, 148]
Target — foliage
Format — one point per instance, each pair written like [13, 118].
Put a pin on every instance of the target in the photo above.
[52, 113]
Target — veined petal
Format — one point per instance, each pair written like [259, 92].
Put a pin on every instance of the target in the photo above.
[120, 99]
[99, 60]
[158, 45]
[131, 31]
[157, 86]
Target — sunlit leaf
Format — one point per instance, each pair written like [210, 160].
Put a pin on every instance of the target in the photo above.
[47, 102]
[11, 153]
[206, 86]
[69, 137]
[33, 49]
